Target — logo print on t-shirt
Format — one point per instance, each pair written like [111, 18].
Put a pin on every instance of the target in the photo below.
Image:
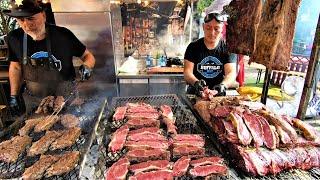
[210, 67]
[43, 55]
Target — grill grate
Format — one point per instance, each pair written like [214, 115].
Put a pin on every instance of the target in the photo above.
[185, 122]
[289, 174]
[87, 121]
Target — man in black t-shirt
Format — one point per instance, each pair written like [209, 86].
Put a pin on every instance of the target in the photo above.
[207, 61]
[41, 55]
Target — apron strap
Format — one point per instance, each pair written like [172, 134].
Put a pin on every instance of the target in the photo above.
[25, 49]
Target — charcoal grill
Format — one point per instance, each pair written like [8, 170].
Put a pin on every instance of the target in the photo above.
[88, 123]
[294, 174]
[185, 122]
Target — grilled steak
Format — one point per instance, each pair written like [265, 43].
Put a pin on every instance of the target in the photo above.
[182, 137]
[14, 148]
[284, 137]
[67, 139]
[161, 174]
[37, 170]
[180, 167]
[29, 125]
[69, 121]
[145, 130]
[146, 136]
[203, 109]
[242, 131]
[221, 111]
[58, 103]
[119, 113]
[143, 144]
[140, 108]
[65, 164]
[270, 140]
[150, 165]
[48, 105]
[141, 155]
[118, 139]
[206, 161]
[42, 104]
[138, 123]
[190, 151]
[308, 131]
[42, 145]
[118, 170]
[242, 26]
[77, 102]
[143, 115]
[46, 123]
[166, 111]
[214, 169]
[189, 143]
[254, 127]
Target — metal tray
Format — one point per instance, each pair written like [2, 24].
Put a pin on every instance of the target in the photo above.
[88, 123]
[293, 174]
[185, 122]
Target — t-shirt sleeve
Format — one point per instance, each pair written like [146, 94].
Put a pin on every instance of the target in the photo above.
[189, 54]
[77, 46]
[12, 56]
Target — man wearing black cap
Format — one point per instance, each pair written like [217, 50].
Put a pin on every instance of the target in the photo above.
[207, 61]
[41, 54]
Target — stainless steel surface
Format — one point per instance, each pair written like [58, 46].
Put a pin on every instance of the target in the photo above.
[80, 5]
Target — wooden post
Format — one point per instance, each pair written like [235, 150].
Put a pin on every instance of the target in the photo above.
[311, 74]
[266, 84]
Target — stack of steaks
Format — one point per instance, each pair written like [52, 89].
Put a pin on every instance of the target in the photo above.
[152, 152]
[258, 141]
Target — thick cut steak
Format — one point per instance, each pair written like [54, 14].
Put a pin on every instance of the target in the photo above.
[206, 161]
[11, 149]
[29, 125]
[191, 151]
[140, 108]
[137, 123]
[67, 139]
[166, 111]
[150, 165]
[270, 140]
[119, 113]
[171, 127]
[37, 170]
[140, 155]
[143, 115]
[118, 139]
[118, 170]
[182, 137]
[43, 144]
[153, 175]
[203, 109]
[214, 169]
[242, 131]
[146, 144]
[308, 131]
[242, 26]
[284, 137]
[180, 167]
[189, 143]
[146, 136]
[254, 127]
[145, 130]
[46, 123]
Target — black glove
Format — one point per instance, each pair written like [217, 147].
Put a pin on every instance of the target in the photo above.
[221, 88]
[85, 72]
[14, 105]
[198, 86]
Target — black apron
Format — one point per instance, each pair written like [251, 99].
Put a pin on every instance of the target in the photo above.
[42, 76]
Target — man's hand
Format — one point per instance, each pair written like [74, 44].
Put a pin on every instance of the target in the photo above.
[85, 72]
[198, 86]
[14, 105]
[221, 88]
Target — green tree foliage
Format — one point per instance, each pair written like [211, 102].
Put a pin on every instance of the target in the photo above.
[6, 23]
[202, 4]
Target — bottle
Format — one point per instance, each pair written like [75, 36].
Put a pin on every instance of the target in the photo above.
[163, 61]
[148, 61]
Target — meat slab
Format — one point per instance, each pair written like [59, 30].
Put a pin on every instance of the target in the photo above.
[166, 111]
[66, 163]
[29, 125]
[190, 151]
[147, 144]
[153, 175]
[270, 140]
[150, 165]
[145, 130]
[144, 115]
[118, 139]
[118, 170]
[146, 136]
[67, 139]
[180, 167]
[11, 149]
[214, 169]
[136, 123]
[140, 108]
[43, 144]
[37, 170]
[254, 127]
[183, 137]
[119, 113]
[242, 130]
[206, 161]
[141, 155]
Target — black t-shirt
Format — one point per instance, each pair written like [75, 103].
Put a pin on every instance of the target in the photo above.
[209, 64]
[64, 45]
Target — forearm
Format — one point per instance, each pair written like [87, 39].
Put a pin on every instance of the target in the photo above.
[15, 77]
[229, 79]
[190, 78]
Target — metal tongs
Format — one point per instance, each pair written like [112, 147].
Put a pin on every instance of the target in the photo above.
[73, 92]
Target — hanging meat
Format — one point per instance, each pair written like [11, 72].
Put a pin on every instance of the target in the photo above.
[275, 34]
[242, 25]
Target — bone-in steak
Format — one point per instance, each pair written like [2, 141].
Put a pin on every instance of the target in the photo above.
[118, 170]
[145, 144]
[214, 169]
[189, 143]
[146, 136]
[144, 115]
[137, 123]
[150, 165]
[182, 137]
[153, 175]
[180, 167]
[140, 155]
[118, 139]
[46, 123]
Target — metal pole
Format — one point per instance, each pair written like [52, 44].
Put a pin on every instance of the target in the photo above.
[191, 17]
[311, 74]
[266, 84]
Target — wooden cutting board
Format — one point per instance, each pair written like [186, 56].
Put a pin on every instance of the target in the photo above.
[160, 70]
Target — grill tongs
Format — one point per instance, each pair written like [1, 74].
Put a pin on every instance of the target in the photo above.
[73, 92]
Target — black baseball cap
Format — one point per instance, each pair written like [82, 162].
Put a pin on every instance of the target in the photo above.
[26, 9]
[218, 17]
